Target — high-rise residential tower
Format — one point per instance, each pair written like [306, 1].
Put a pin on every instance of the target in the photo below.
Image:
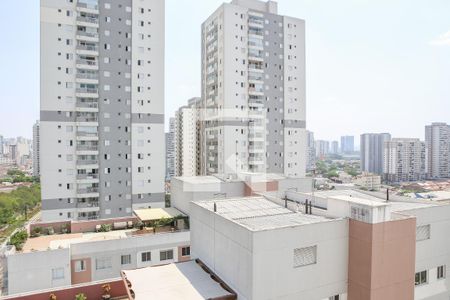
[102, 107]
[253, 90]
[372, 151]
[36, 152]
[170, 150]
[404, 160]
[322, 148]
[437, 140]
[347, 144]
[188, 139]
[334, 147]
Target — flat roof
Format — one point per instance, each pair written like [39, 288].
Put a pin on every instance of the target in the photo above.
[361, 201]
[151, 214]
[258, 213]
[185, 280]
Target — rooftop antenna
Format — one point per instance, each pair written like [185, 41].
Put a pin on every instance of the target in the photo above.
[387, 195]
[215, 207]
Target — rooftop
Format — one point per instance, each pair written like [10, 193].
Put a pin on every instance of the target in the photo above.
[258, 213]
[151, 214]
[186, 280]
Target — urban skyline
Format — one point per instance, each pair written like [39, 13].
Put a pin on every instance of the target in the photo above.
[429, 54]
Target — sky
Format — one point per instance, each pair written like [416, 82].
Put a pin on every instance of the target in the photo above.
[371, 66]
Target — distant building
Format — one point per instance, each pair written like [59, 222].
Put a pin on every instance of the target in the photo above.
[368, 181]
[311, 151]
[170, 150]
[437, 140]
[334, 147]
[36, 153]
[372, 151]
[347, 144]
[255, 102]
[322, 148]
[187, 139]
[404, 160]
[1, 145]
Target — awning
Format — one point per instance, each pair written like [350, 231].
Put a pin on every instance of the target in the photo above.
[152, 214]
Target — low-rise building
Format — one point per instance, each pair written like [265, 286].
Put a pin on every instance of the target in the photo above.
[95, 250]
[368, 181]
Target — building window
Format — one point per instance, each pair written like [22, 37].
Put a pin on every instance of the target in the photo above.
[80, 266]
[166, 255]
[421, 278]
[423, 232]
[57, 273]
[125, 259]
[334, 297]
[441, 272]
[103, 263]
[360, 214]
[146, 256]
[305, 256]
[186, 251]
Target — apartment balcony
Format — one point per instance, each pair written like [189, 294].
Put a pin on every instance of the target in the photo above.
[87, 92]
[255, 92]
[82, 106]
[88, 162]
[87, 7]
[86, 136]
[256, 23]
[255, 161]
[86, 150]
[87, 50]
[88, 192]
[87, 36]
[257, 68]
[254, 43]
[88, 206]
[87, 64]
[87, 21]
[87, 178]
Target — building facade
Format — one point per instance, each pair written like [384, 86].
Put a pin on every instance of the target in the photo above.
[311, 151]
[347, 144]
[170, 150]
[188, 139]
[36, 153]
[253, 90]
[322, 148]
[334, 147]
[404, 160]
[437, 140]
[372, 151]
[102, 107]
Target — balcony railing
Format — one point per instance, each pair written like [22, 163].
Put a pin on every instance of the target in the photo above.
[85, 162]
[87, 148]
[87, 134]
[87, 90]
[87, 5]
[87, 104]
[87, 34]
[93, 76]
[87, 176]
[87, 20]
[87, 204]
[87, 62]
[87, 119]
[87, 190]
[87, 47]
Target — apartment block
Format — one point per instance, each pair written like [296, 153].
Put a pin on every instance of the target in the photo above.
[36, 152]
[334, 147]
[404, 160]
[80, 252]
[253, 90]
[102, 108]
[347, 144]
[188, 139]
[437, 140]
[353, 248]
[322, 148]
[170, 150]
[372, 152]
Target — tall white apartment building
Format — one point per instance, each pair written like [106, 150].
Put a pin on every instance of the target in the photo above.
[102, 107]
[322, 148]
[170, 150]
[437, 139]
[404, 160]
[36, 152]
[187, 139]
[253, 90]
[372, 151]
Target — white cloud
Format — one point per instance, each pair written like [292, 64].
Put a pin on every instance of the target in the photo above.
[442, 40]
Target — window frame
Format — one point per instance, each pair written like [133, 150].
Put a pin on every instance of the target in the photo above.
[440, 272]
[147, 255]
[166, 256]
[421, 278]
[125, 259]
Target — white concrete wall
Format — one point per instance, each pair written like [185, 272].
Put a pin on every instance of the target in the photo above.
[274, 275]
[433, 252]
[33, 271]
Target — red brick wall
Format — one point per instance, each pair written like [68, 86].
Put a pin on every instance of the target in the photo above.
[86, 226]
[91, 291]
